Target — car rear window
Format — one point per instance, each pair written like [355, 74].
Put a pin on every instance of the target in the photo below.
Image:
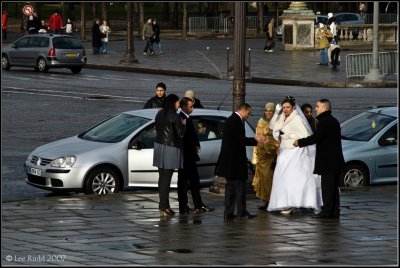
[67, 43]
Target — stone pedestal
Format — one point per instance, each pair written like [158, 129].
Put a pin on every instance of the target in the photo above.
[298, 27]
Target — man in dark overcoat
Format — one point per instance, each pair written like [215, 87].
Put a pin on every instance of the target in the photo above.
[232, 162]
[329, 160]
[188, 176]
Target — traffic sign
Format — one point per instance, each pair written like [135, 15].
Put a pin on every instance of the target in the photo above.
[27, 10]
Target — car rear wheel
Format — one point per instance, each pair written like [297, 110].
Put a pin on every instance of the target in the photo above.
[355, 175]
[5, 63]
[102, 180]
[42, 65]
[76, 70]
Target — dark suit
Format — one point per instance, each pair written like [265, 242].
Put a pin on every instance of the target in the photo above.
[329, 160]
[232, 164]
[189, 176]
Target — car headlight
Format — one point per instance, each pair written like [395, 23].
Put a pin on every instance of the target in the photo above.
[63, 162]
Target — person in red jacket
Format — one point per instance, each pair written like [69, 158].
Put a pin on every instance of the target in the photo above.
[4, 24]
[55, 23]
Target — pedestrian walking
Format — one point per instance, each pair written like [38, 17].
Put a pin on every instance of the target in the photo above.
[270, 33]
[329, 160]
[232, 162]
[147, 34]
[156, 38]
[188, 176]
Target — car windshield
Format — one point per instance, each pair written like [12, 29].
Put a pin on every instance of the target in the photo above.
[67, 43]
[114, 129]
[364, 126]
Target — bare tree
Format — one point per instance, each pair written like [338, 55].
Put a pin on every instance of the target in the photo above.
[141, 17]
[260, 17]
[104, 10]
[83, 21]
[184, 19]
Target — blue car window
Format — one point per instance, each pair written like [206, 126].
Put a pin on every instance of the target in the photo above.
[365, 126]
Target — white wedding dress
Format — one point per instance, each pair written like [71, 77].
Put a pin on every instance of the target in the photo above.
[294, 185]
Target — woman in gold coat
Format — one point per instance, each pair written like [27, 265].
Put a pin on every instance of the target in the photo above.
[264, 155]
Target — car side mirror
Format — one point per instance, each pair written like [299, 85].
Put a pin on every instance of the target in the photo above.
[13, 46]
[388, 141]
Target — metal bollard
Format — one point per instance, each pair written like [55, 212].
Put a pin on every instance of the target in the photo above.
[227, 62]
[249, 61]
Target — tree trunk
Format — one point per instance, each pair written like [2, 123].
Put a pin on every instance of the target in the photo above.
[141, 18]
[83, 21]
[184, 19]
[260, 16]
[104, 10]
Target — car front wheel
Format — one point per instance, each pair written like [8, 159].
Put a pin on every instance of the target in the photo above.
[42, 65]
[355, 175]
[5, 63]
[102, 180]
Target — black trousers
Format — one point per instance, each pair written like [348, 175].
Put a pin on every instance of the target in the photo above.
[188, 178]
[164, 185]
[330, 194]
[235, 195]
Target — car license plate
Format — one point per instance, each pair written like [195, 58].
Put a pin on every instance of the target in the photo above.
[35, 171]
[70, 54]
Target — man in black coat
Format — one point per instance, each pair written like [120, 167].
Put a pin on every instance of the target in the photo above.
[158, 100]
[232, 162]
[329, 160]
[188, 175]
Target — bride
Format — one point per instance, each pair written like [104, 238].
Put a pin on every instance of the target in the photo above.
[293, 185]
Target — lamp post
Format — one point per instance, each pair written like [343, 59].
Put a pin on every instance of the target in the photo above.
[375, 74]
[129, 56]
[239, 50]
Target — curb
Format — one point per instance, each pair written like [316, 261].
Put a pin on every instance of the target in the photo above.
[259, 80]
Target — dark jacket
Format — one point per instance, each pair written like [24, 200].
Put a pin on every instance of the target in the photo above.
[197, 103]
[96, 35]
[169, 128]
[156, 35]
[190, 141]
[232, 160]
[154, 102]
[327, 137]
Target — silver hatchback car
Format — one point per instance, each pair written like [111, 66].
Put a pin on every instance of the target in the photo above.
[45, 51]
[118, 153]
[370, 148]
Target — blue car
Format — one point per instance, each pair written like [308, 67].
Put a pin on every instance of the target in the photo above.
[369, 142]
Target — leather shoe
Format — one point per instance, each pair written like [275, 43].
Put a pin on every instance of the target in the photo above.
[325, 216]
[206, 209]
[247, 215]
[166, 212]
[228, 217]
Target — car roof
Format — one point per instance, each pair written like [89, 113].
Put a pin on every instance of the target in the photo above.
[390, 111]
[151, 113]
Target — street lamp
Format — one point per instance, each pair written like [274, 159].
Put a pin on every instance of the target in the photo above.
[239, 50]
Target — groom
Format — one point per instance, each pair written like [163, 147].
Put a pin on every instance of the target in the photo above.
[329, 160]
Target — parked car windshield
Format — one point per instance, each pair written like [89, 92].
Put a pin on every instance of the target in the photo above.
[115, 129]
[365, 126]
[67, 43]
